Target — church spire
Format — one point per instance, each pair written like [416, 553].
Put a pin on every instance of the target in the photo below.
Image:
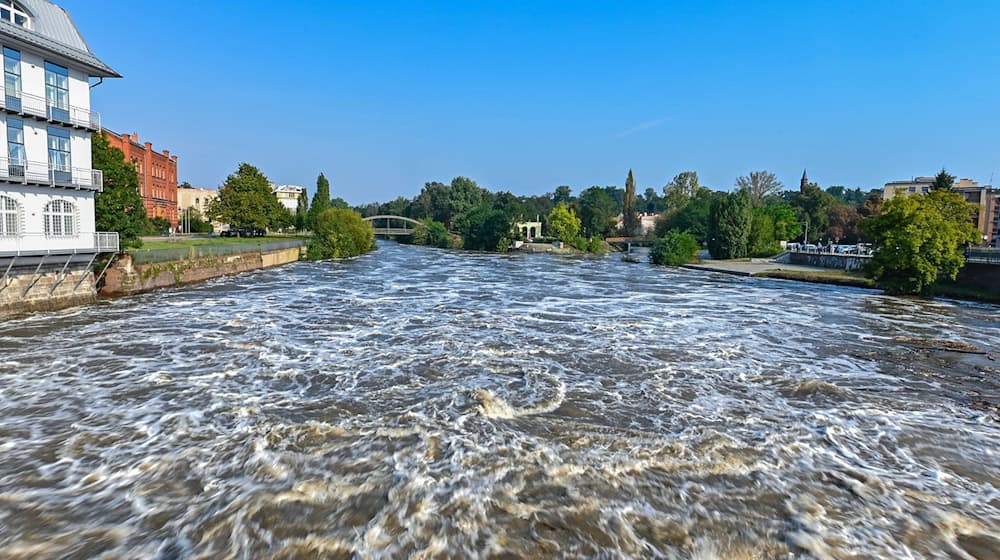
[804, 182]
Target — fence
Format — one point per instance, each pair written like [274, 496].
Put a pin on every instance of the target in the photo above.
[982, 256]
[186, 252]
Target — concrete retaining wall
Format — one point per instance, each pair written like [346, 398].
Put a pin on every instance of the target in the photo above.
[126, 277]
[827, 260]
[23, 291]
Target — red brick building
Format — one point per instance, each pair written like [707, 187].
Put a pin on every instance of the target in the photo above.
[157, 175]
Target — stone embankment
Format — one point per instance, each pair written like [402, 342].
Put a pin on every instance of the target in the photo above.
[141, 272]
[52, 285]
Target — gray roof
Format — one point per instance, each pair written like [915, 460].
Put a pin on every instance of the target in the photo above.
[54, 31]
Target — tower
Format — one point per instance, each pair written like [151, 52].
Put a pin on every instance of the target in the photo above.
[804, 182]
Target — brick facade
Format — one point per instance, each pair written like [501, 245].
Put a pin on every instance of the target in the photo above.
[157, 175]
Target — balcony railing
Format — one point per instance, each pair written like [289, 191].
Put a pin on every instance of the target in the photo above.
[37, 106]
[26, 244]
[43, 173]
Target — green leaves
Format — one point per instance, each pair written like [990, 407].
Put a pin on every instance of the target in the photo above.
[563, 224]
[675, 249]
[919, 239]
[729, 224]
[119, 207]
[340, 233]
[246, 200]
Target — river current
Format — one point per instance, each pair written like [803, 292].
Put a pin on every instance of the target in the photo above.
[432, 404]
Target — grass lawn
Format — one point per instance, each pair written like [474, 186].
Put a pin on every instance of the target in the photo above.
[199, 241]
[838, 277]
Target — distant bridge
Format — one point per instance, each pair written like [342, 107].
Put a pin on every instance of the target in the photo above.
[383, 224]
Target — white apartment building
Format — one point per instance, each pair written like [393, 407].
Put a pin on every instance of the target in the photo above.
[47, 182]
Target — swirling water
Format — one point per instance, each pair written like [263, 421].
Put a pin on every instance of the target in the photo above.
[431, 404]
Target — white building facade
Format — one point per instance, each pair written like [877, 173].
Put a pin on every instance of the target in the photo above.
[47, 181]
[288, 196]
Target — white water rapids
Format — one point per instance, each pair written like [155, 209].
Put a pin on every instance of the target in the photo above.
[433, 404]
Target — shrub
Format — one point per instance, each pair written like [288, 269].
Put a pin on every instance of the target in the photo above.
[675, 249]
[431, 233]
[563, 224]
[340, 233]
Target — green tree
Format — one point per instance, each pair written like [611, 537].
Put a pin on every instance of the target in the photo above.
[563, 224]
[340, 233]
[630, 218]
[680, 191]
[197, 222]
[919, 239]
[760, 185]
[813, 207]
[786, 224]
[675, 249]
[563, 195]
[320, 200]
[302, 211]
[431, 233]
[246, 200]
[597, 212]
[485, 228]
[692, 218]
[729, 222]
[119, 206]
[763, 241]
[943, 181]
[339, 203]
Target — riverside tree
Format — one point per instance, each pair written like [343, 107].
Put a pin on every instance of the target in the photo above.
[563, 224]
[760, 185]
[680, 191]
[340, 233]
[302, 211]
[674, 249]
[246, 200]
[119, 206]
[597, 212]
[320, 201]
[630, 219]
[729, 223]
[918, 240]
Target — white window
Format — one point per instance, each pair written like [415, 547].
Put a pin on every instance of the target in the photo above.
[12, 12]
[60, 218]
[8, 217]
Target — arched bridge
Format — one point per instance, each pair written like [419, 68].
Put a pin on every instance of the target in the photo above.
[383, 224]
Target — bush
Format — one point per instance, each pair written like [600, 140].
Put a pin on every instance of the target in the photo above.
[675, 249]
[157, 226]
[340, 233]
[431, 233]
[563, 224]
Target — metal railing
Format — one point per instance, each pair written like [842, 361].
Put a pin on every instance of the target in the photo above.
[982, 255]
[42, 244]
[53, 175]
[37, 106]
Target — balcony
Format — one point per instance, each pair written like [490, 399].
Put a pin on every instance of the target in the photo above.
[37, 107]
[38, 244]
[44, 173]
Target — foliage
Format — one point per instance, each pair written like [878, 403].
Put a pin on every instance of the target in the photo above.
[943, 181]
[813, 204]
[445, 203]
[651, 202]
[339, 203]
[246, 200]
[196, 222]
[851, 197]
[282, 218]
[485, 228]
[786, 224]
[759, 184]
[510, 205]
[675, 249]
[762, 241]
[320, 201]
[843, 223]
[597, 212]
[563, 195]
[692, 218]
[432, 233]
[919, 239]
[563, 224]
[630, 218]
[340, 233]
[302, 211]
[157, 226]
[679, 192]
[729, 222]
[119, 206]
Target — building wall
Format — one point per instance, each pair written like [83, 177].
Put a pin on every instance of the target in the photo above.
[195, 198]
[31, 202]
[24, 291]
[157, 175]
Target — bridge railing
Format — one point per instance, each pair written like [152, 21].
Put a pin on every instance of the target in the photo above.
[982, 255]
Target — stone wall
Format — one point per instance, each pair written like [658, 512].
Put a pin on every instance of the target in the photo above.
[984, 277]
[828, 260]
[23, 291]
[126, 277]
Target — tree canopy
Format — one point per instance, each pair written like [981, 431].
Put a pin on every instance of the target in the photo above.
[597, 212]
[943, 181]
[246, 200]
[340, 233]
[119, 206]
[729, 222]
[563, 224]
[630, 217]
[320, 201]
[759, 185]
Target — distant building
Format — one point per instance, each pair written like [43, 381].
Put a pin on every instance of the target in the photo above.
[530, 230]
[804, 181]
[646, 221]
[986, 217]
[157, 175]
[196, 198]
[288, 196]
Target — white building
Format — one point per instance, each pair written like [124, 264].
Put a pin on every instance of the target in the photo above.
[47, 183]
[288, 196]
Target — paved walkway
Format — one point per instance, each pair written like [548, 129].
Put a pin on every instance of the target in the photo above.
[750, 268]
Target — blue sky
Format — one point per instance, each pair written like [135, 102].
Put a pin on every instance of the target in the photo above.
[525, 96]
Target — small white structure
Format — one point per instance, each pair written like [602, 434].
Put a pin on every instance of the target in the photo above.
[530, 230]
[288, 196]
[47, 183]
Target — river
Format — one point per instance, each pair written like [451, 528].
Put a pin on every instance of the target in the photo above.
[432, 404]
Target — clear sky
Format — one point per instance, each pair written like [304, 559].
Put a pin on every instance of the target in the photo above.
[528, 95]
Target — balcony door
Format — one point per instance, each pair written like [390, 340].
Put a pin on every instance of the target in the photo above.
[60, 168]
[16, 156]
[57, 92]
[12, 79]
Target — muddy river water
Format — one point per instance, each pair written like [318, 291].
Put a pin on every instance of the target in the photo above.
[432, 404]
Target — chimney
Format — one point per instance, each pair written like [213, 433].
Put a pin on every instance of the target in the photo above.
[149, 146]
[173, 158]
[135, 137]
[166, 154]
[125, 138]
